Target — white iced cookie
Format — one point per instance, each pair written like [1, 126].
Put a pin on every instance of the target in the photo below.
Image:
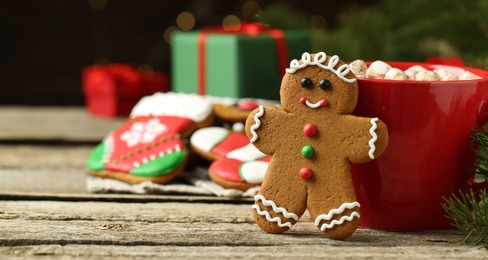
[426, 76]
[396, 74]
[468, 76]
[377, 70]
[359, 67]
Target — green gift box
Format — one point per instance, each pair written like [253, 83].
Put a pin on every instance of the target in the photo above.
[248, 63]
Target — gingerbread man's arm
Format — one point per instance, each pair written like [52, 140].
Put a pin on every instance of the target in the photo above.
[262, 126]
[368, 141]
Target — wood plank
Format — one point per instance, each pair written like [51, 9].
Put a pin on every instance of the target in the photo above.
[186, 230]
[55, 124]
[43, 168]
[242, 252]
[58, 172]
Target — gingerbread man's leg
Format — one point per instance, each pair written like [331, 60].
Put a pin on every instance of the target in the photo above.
[279, 204]
[337, 217]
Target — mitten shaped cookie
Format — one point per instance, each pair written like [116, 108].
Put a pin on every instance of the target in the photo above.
[237, 163]
[149, 146]
[313, 139]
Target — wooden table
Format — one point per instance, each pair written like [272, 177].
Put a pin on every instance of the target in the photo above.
[46, 211]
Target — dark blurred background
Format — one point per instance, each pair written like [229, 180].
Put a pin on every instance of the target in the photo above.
[45, 44]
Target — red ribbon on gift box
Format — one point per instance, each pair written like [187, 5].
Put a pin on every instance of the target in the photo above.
[247, 28]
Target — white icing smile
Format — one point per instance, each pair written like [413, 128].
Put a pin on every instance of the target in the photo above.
[306, 102]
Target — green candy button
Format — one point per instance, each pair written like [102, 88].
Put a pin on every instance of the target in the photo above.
[307, 151]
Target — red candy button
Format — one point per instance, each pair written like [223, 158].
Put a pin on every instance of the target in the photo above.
[310, 130]
[305, 173]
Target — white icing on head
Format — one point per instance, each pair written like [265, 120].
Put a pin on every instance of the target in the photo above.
[189, 106]
[257, 124]
[374, 137]
[318, 60]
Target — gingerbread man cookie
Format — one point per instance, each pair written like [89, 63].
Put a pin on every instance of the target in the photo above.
[313, 139]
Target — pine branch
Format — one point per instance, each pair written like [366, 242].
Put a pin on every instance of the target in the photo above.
[480, 147]
[469, 212]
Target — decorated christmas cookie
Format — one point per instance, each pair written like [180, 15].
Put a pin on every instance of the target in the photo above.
[215, 142]
[313, 139]
[237, 163]
[238, 111]
[149, 146]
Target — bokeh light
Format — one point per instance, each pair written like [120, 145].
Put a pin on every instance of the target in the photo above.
[250, 9]
[318, 22]
[97, 5]
[167, 33]
[231, 23]
[185, 21]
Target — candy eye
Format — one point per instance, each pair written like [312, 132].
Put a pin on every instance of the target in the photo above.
[324, 84]
[306, 82]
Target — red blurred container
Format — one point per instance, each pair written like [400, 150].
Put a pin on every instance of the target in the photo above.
[452, 61]
[428, 156]
[113, 90]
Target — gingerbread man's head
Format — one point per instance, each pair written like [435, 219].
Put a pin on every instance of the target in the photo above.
[319, 84]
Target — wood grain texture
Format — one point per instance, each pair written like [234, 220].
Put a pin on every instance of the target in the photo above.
[72, 124]
[45, 211]
[186, 230]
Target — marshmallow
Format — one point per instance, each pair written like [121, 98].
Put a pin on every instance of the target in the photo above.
[445, 75]
[412, 71]
[468, 76]
[396, 74]
[426, 76]
[377, 70]
[358, 67]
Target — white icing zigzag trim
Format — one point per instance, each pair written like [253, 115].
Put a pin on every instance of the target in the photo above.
[257, 123]
[281, 210]
[109, 148]
[320, 58]
[268, 217]
[340, 221]
[374, 137]
[332, 212]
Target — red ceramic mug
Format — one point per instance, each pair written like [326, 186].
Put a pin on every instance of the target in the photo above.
[429, 154]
